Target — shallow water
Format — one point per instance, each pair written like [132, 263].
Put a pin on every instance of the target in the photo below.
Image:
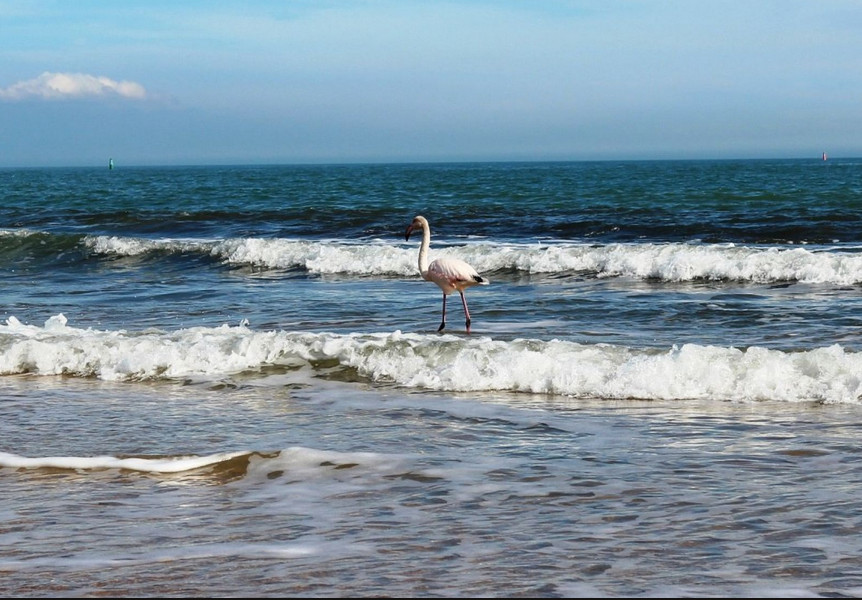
[338, 490]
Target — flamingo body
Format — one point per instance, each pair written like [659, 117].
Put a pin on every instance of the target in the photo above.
[450, 274]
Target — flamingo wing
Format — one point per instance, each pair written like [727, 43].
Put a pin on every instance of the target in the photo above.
[453, 274]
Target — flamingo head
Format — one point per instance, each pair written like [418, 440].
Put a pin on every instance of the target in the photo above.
[419, 223]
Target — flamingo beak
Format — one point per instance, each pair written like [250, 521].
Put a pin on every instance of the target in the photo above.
[408, 232]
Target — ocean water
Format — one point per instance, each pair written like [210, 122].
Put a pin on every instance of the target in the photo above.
[229, 381]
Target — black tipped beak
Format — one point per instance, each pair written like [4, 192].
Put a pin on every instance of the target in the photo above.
[408, 232]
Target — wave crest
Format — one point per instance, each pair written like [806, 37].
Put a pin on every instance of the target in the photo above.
[440, 362]
[672, 262]
[295, 463]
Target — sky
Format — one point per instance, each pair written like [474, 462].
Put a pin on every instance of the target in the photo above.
[198, 82]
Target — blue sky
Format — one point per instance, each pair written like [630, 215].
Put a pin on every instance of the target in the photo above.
[218, 82]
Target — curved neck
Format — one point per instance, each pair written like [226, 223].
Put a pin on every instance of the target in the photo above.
[423, 251]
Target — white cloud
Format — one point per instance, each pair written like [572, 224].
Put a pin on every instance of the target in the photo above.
[72, 85]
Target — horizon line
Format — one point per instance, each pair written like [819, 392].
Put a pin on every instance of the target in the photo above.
[111, 163]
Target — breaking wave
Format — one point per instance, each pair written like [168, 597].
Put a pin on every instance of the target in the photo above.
[669, 262]
[439, 362]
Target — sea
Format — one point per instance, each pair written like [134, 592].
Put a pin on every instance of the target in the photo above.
[228, 381]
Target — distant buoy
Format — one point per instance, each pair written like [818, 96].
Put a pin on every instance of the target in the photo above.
[111, 163]
[824, 156]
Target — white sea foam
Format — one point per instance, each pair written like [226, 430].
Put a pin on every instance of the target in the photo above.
[18, 233]
[318, 257]
[298, 461]
[308, 464]
[132, 246]
[149, 465]
[441, 362]
[667, 262]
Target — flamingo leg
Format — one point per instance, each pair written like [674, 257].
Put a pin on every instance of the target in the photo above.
[443, 322]
[466, 312]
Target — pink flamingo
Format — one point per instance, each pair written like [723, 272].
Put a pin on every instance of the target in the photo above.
[450, 274]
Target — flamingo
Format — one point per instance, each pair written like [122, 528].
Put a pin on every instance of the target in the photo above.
[450, 274]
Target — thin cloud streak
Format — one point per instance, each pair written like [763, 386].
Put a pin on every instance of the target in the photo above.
[58, 86]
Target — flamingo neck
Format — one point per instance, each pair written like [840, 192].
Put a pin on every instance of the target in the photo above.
[423, 252]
